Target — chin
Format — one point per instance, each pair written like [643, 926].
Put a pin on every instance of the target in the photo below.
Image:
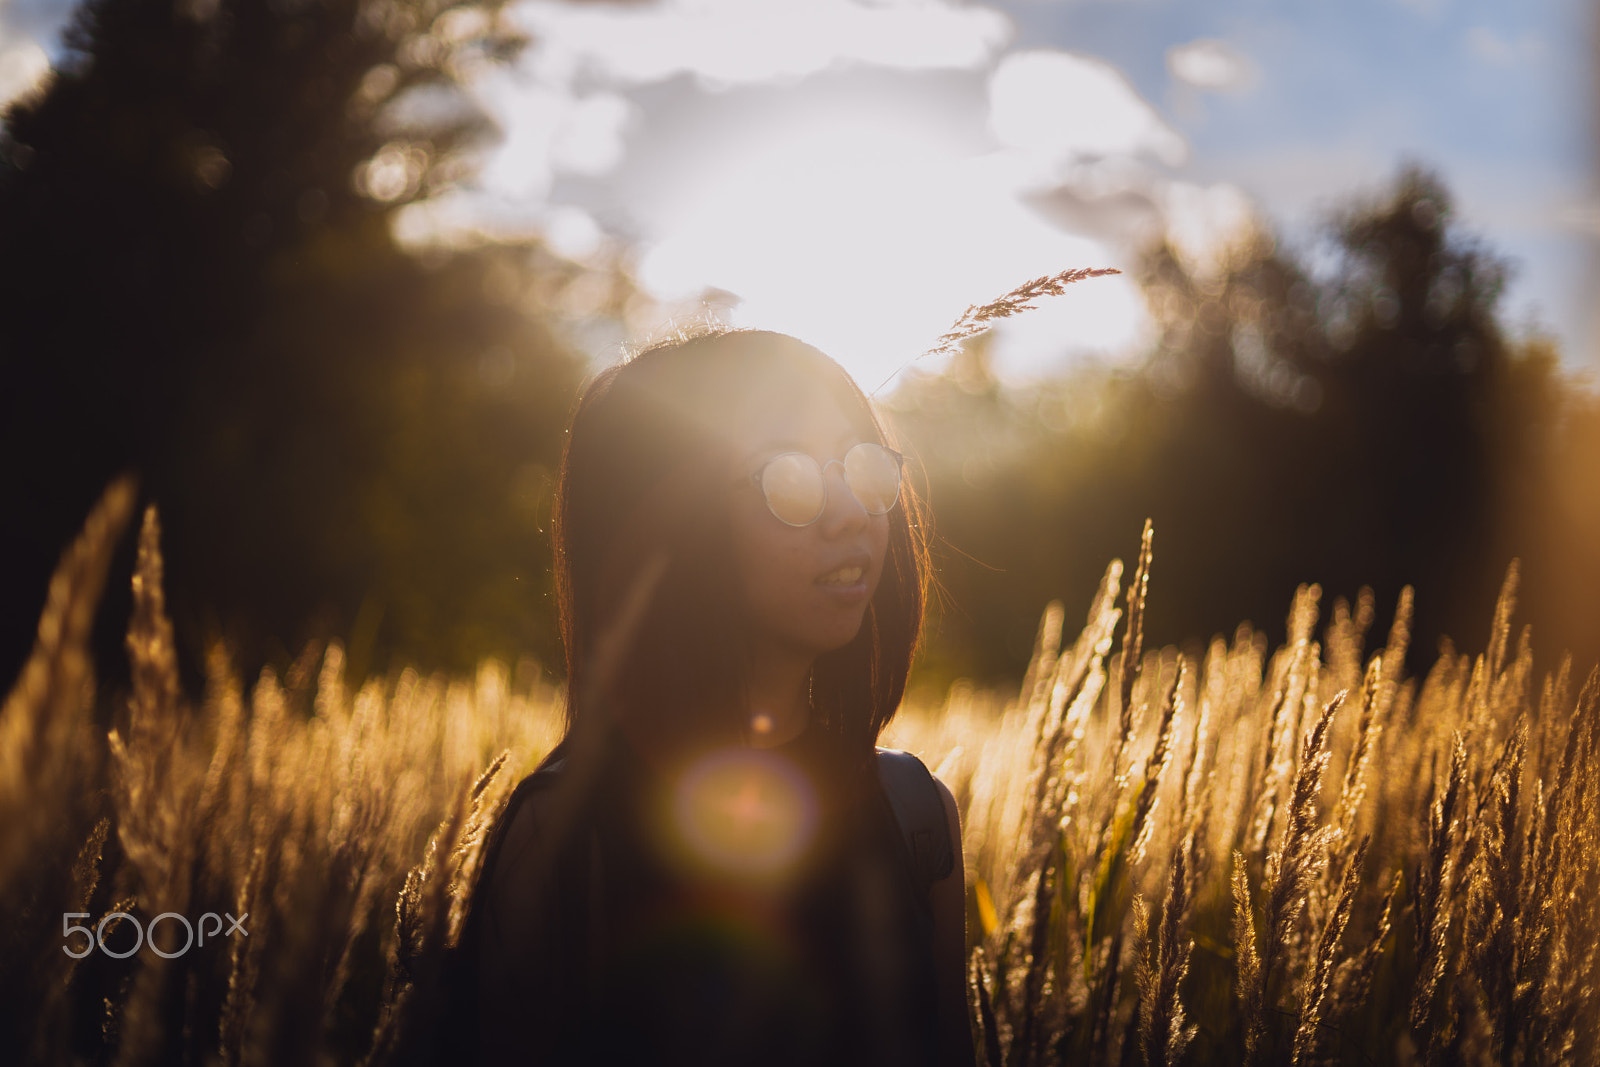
[824, 647]
[836, 640]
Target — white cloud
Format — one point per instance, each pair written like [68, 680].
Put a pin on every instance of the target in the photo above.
[23, 65]
[1307, 179]
[1497, 50]
[589, 139]
[561, 106]
[855, 228]
[726, 42]
[1211, 64]
[1065, 106]
[548, 130]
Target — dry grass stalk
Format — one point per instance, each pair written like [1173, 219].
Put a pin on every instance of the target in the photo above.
[1369, 729]
[1353, 979]
[1317, 925]
[1314, 1000]
[1156, 765]
[1132, 646]
[1433, 908]
[979, 317]
[52, 815]
[346, 821]
[1247, 960]
[303, 825]
[157, 785]
[46, 744]
[1492, 900]
[1290, 696]
[1164, 1032]
[1289, 872]
[54, 974]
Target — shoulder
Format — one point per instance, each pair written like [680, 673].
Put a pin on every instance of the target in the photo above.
[529, 796]
[952, 812]
[926, 811]
[952, 818]
[515, 971]
[898, 769]
[523, 823]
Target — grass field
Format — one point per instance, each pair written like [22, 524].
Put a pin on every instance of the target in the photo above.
[1290, 855]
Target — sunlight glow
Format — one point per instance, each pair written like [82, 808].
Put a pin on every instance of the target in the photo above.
[868, 241]
[23, 68]
[1205, 222]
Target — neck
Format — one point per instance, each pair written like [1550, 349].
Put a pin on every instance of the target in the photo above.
[779, 696]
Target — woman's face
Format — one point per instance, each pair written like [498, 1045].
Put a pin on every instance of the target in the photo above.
[783, 570]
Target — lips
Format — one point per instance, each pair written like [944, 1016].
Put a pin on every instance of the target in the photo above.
[849, 572]
[842, 576]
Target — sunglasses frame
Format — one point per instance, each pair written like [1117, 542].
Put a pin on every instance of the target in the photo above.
[900, 470]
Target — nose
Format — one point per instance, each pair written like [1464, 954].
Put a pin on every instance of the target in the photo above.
[842, 507]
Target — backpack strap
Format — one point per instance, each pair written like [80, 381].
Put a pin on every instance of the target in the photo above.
[919, 810]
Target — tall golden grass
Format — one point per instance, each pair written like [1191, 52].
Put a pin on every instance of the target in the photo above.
[1294, 857]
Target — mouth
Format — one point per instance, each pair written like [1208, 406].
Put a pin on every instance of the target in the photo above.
[849, 574]
[842, 576]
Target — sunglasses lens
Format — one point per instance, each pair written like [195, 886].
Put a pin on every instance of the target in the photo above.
[793, 485]
[873, 473]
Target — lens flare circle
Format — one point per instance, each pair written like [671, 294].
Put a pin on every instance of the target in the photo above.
[745, 812]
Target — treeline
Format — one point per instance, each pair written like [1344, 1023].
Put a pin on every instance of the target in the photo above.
[198, 283]
[346, 438]
[1373, 427]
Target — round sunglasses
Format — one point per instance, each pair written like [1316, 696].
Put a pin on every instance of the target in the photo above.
[796, 487]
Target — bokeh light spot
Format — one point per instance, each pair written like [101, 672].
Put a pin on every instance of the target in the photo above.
[745, 812]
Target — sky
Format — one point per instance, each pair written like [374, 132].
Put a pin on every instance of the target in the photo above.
[857, 172]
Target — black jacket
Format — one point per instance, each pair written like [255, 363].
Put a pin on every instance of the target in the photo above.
[646, 959]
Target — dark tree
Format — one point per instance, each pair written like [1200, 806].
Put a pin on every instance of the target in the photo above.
[1370, 428]
[199, 284]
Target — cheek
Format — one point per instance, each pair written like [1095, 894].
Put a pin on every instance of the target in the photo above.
[775, 567]
[765, 562]
[880, 540]
[784, 577]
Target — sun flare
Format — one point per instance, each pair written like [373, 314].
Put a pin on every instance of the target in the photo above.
[868, 241]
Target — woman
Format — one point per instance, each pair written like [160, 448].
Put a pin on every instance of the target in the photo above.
[709, 868]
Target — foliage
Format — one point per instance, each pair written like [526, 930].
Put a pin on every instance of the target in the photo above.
[350, 438]
[1298, 858]
[200, 286]
[1372, 425]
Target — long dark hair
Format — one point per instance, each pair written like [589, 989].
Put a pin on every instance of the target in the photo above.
[642, 547]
